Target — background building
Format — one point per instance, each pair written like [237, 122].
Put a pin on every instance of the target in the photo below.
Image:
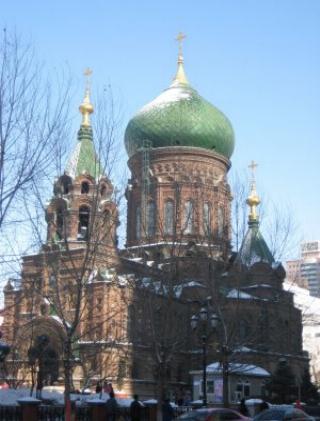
[305, 272]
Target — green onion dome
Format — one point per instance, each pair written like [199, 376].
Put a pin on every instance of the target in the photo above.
[179, 116]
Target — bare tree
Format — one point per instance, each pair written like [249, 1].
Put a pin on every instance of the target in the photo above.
[78, 250]
[32, 119]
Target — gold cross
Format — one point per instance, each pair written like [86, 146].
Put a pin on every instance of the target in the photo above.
[180, 37]
[87, 73]
[253, 166]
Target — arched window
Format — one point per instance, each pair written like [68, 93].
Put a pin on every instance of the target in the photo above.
[188, 217]
[84, 187]
[84, 217]
[65, 183]
[103, 190]
[168, 217]
[151, 220]
[59, 223]
[138, 223]
[220, 222]
[207, 218]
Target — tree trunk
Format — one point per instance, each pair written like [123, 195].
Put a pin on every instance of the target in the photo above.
[67, 379]
[225, 377]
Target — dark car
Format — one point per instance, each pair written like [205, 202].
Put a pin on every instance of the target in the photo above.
[213, 414]
[283, 413]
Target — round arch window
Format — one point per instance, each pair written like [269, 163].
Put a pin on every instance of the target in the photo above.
[85, 187]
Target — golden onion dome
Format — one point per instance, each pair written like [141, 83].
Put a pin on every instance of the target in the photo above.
[86, 108]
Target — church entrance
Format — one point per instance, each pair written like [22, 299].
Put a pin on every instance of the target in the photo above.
[50, 366]
[44, 358]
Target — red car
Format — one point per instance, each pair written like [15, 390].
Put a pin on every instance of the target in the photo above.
[213, 414]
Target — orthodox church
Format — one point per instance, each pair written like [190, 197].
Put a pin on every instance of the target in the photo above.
[123, 315]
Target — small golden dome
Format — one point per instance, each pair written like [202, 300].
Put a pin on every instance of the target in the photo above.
[253, 199]
[86, 108]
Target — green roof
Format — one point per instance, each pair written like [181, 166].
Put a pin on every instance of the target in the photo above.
[84, 159]
[180, 117]
[254, 248]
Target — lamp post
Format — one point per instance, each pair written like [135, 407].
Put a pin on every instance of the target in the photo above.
[205, 321]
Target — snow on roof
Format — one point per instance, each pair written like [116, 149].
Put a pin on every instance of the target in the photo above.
[167, 243]
[259, 286]
[238, 368]
[237, 293]
[310, 306]
[59, 320]
[188, 284]
[244, 349]
[166, 98]
[122, 280]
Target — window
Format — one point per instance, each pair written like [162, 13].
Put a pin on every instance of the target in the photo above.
[138, 223]
[188, 217]
[210, 386]
[220, 222]
[59, 223]
[52, 281]
[103, 190]
[243, 387]
[84, 217]
[151, 225]
[168, 217]
[207, 218]
[65, 183]
[84, 187]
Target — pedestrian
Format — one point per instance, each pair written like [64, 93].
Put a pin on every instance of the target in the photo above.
[112, 407]
[105, 387]
[167, 411]
[98, 387]
[243, 408]
[298, 404]
[136, 409]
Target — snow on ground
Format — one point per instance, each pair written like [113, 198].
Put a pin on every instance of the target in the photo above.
[11, 396]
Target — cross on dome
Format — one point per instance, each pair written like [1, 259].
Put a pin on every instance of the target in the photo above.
[180, 37]
[87, 74]
[253, 200]
[180, 75]
[253, 165]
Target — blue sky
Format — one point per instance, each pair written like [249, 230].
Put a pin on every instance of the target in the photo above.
[257, 61]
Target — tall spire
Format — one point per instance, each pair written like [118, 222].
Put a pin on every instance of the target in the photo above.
[180, 76]
[86, 108]
[253, 200]
[254, 248]
[84, 159]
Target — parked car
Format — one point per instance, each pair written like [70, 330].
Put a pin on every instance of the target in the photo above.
[286, 413]
[213, 414]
